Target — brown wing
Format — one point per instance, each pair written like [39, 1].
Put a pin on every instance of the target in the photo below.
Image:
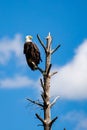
[26, 48]
[35, 54]
[32, 52]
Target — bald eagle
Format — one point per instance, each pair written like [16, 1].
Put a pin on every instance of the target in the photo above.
[32, 53]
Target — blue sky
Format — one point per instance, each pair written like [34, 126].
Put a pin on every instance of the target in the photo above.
[66, 20]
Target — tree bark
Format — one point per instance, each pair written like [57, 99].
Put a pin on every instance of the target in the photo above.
[45, 84]
[47, 112]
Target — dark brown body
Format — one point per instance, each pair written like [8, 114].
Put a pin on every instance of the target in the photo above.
[32, 54]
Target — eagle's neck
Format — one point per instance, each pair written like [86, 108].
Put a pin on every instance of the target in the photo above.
[28, 40]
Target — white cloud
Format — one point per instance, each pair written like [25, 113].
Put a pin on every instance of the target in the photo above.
[10, 46]
[77, 119]
[13, 49]
[17, 81]
[71, 81]
[82, 125]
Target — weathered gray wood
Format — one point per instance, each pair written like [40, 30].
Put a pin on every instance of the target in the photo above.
[46, 77]
[45, 84]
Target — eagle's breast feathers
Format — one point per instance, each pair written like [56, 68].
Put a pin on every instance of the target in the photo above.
[32, 54]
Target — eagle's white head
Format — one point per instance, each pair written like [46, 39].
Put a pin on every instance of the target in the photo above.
[28, 38]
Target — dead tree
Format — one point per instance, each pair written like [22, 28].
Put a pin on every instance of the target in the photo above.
[47, 122]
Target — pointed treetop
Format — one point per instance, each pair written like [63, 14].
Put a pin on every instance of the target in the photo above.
[49, 36]
[49, 33]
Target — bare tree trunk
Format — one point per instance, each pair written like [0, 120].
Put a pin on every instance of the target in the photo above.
[46, 76]
[45, 84]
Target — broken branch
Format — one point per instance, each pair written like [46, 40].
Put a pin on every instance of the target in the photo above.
[54, 101]
[42, 85]
[53, 73]
[39, 118]
[40, 69]
[34, 102]
[64, 128]
[41, 42]
[43, 97]
[55, 49]
[49, 69]
[53, 121]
